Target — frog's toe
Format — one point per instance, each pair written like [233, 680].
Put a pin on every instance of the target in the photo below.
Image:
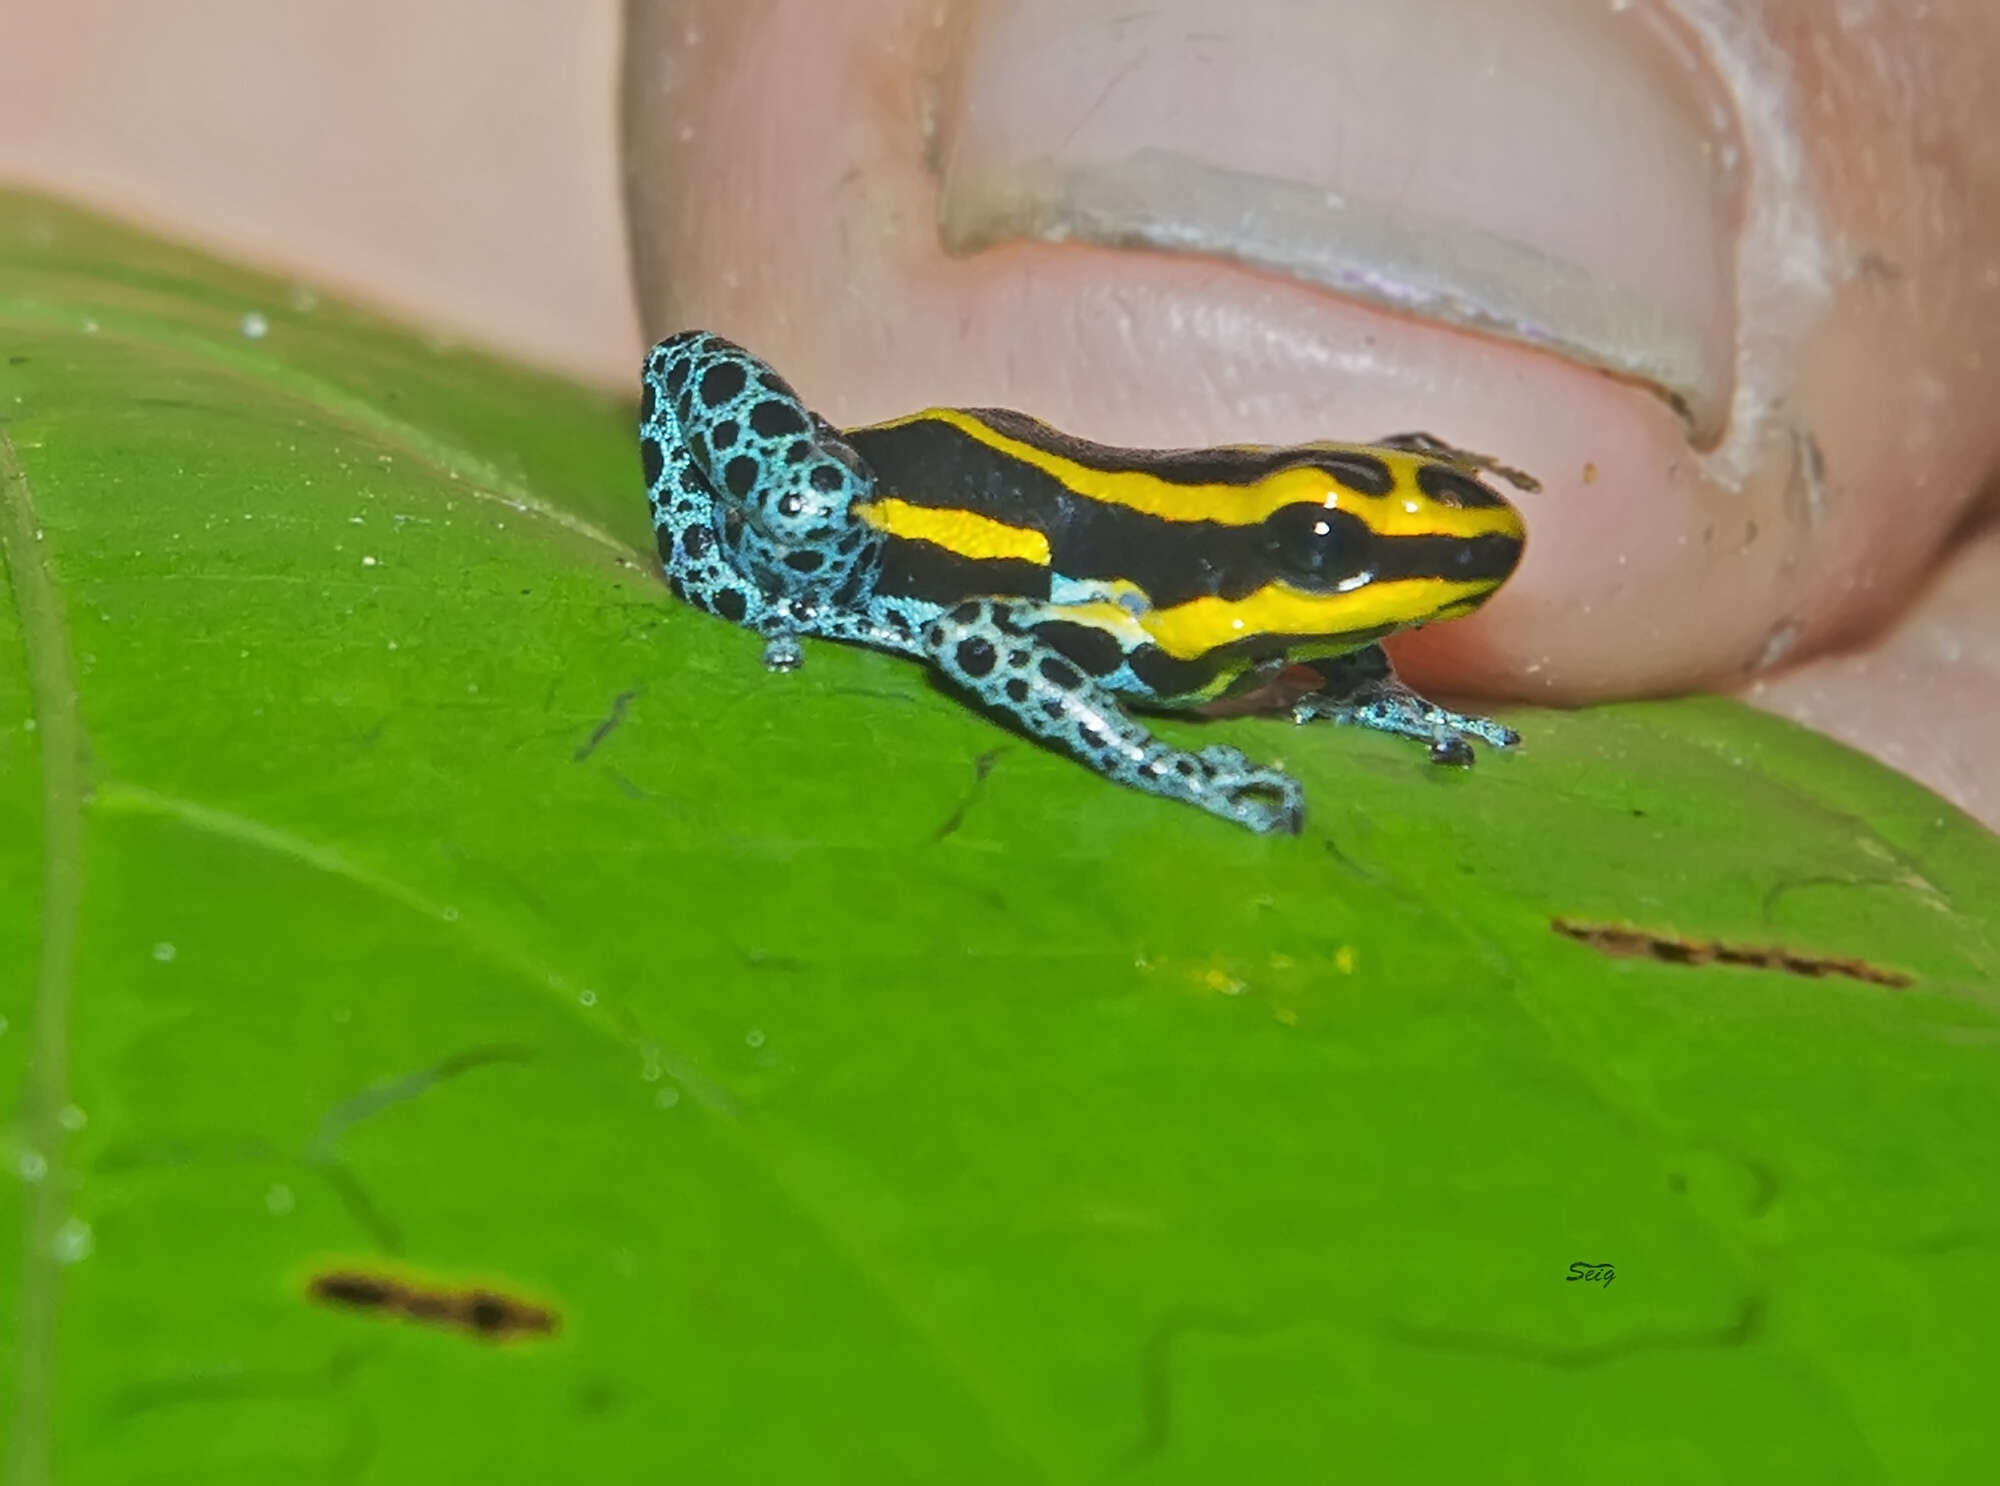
[1452, 743]
[1266, 800]
[1453, 749]
[782, 653]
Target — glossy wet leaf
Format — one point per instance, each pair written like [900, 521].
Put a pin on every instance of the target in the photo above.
[394, 882]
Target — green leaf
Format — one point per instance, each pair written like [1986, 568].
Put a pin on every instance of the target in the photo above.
[395, 881]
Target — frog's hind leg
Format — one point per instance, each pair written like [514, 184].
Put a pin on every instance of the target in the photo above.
[987, 647]
[685, 510]
[700, 537]
[1362, 688]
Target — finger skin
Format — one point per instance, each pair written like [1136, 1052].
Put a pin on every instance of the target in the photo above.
[808, 231]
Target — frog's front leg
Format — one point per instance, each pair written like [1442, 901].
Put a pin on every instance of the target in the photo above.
[987, 647]
[1362, 688]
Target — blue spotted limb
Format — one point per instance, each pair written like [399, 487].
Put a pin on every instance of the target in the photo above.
[987, 647]
[751, 497]
[1361, 688]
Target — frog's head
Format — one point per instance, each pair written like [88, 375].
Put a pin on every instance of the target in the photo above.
[1433, 545]
[1349, 547]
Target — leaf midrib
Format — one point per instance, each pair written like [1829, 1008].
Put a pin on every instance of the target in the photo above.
[52, 693]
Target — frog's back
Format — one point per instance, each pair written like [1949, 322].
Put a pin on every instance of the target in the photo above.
[992, 501]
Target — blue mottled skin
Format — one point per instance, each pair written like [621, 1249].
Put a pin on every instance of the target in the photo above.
[753, 499]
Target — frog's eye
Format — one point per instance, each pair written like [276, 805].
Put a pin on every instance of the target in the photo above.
[1318, 546]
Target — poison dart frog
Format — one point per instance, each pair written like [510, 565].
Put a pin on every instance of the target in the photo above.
[1050, 578]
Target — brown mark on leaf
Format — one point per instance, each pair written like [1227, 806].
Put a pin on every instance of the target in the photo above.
[485, 1312]
[1624, 942]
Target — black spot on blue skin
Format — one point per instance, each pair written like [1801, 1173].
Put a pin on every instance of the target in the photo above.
[731, 606]
[1017, 690]
[649, 401]
[722, 382]
[677, 376]
[1093, 738]
[771, 382]
[804, 562]
[827, 479]
[653, 458]
[798, 452]
[934, 636]
[739, 476]
[1017, 658]
[698, 541]
[1053, 710]
[789, 504]
[678, 588]
[1358, 472]
[850, 543]
[723, 435]
[775, 420]
[1057, 673]
[1096, 650]
[1185, 767]
[965, 613]
[975, 656]
[698, 447]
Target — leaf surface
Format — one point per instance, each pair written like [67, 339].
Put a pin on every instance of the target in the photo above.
[395, 881]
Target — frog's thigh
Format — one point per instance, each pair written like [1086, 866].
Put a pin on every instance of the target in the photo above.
[987, 647]
[696, 564]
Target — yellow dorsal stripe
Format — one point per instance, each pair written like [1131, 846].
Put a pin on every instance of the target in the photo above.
[965, 532]
[1187, 631]
[1405, 512]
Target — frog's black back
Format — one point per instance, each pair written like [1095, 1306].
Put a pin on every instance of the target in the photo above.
[958, 463]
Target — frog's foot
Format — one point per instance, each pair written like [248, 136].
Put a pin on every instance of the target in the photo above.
[1265, 799]
[782, 652]
[986, 647]
[1363, 690]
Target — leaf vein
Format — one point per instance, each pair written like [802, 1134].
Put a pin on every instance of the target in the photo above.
[52, 688]
[903, 1307]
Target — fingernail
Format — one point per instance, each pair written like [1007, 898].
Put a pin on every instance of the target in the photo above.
[1562, 173]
